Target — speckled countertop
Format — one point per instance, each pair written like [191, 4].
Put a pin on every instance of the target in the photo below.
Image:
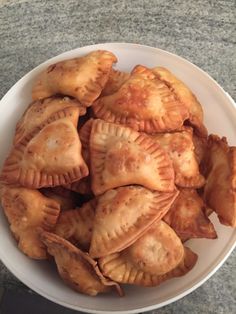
[201, 31]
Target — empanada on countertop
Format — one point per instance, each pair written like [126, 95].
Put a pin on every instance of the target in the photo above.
[187, 217]
[179, 146]
[82, 78]
[125, 267]
[26, 211]
[52, 157]
[144, 103]
[42, 112]
[121, 156]
[76, 225]
[220, 188]
[123, 215]
[185, 96]
[115, 80]
[76, 268]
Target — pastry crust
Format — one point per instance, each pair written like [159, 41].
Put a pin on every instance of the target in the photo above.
[51, 157]
[41, 112]
[220, 188]
[187, 217]
[122, 268]
[144, 103]
[76, 225]
[26, 211]
[76, 268]
[184, 94]
[82, 78]
[121, 156]
[115, 81]
[179, 146]
[123, 215]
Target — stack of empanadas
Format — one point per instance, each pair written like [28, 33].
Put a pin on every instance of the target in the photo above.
[111, 172]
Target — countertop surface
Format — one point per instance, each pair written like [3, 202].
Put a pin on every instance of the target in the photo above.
[201, 31]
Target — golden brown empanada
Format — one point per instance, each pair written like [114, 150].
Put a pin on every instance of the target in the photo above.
[123, 215]
[157, 256]
[84, 135]
[144, 103]
[52, 157]
[179, 146]
[200, 147]
[66, 203]
[115, 80]
[76, 268]
[82, 78]
[121, 156]
[42, 112]
[187, 217]
[220, 188]
[76, 225]
[185, 96]
[27, 210]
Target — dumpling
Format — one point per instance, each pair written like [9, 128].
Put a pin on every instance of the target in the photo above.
[179, 146]
[52, 157]
[76, 225]
[122, 215]
[187, 217]
[220, 188]
[144, 103]
[76, 268]
[184, 94]
[82, 78]
[26, 211]
[121, 156]
[42, 112]
[115, 80]
[155, 257]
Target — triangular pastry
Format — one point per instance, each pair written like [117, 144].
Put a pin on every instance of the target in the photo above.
[187, 217]
[52, 157]
[185, 96]
[144, 103]
[27, 210]
[180, 147]
[82, 78]
[121, 156]
[115, 80]
[42, 112]
[76, 268]
[220, 188]
[155, 257]
[123, 215]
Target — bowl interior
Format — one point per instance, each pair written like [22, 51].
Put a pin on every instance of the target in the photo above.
[220, 117]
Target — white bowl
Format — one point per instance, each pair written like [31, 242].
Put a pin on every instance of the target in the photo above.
[220, 118]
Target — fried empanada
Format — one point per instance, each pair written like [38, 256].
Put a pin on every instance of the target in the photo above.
[76, 225]
[42, 112]
[76, 268]
[84, 135]
[144, 103]
[185, 96]
[200, 147]
[220, 188]
[82, 78]
[27, 210]
[157, 256]
[52, 157]
[66, 203]
[115, 80]
[123, 215]
[187, 217]
[179, 146]
[121, 156]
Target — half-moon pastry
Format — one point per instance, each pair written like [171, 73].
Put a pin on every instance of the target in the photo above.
[82, 78]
